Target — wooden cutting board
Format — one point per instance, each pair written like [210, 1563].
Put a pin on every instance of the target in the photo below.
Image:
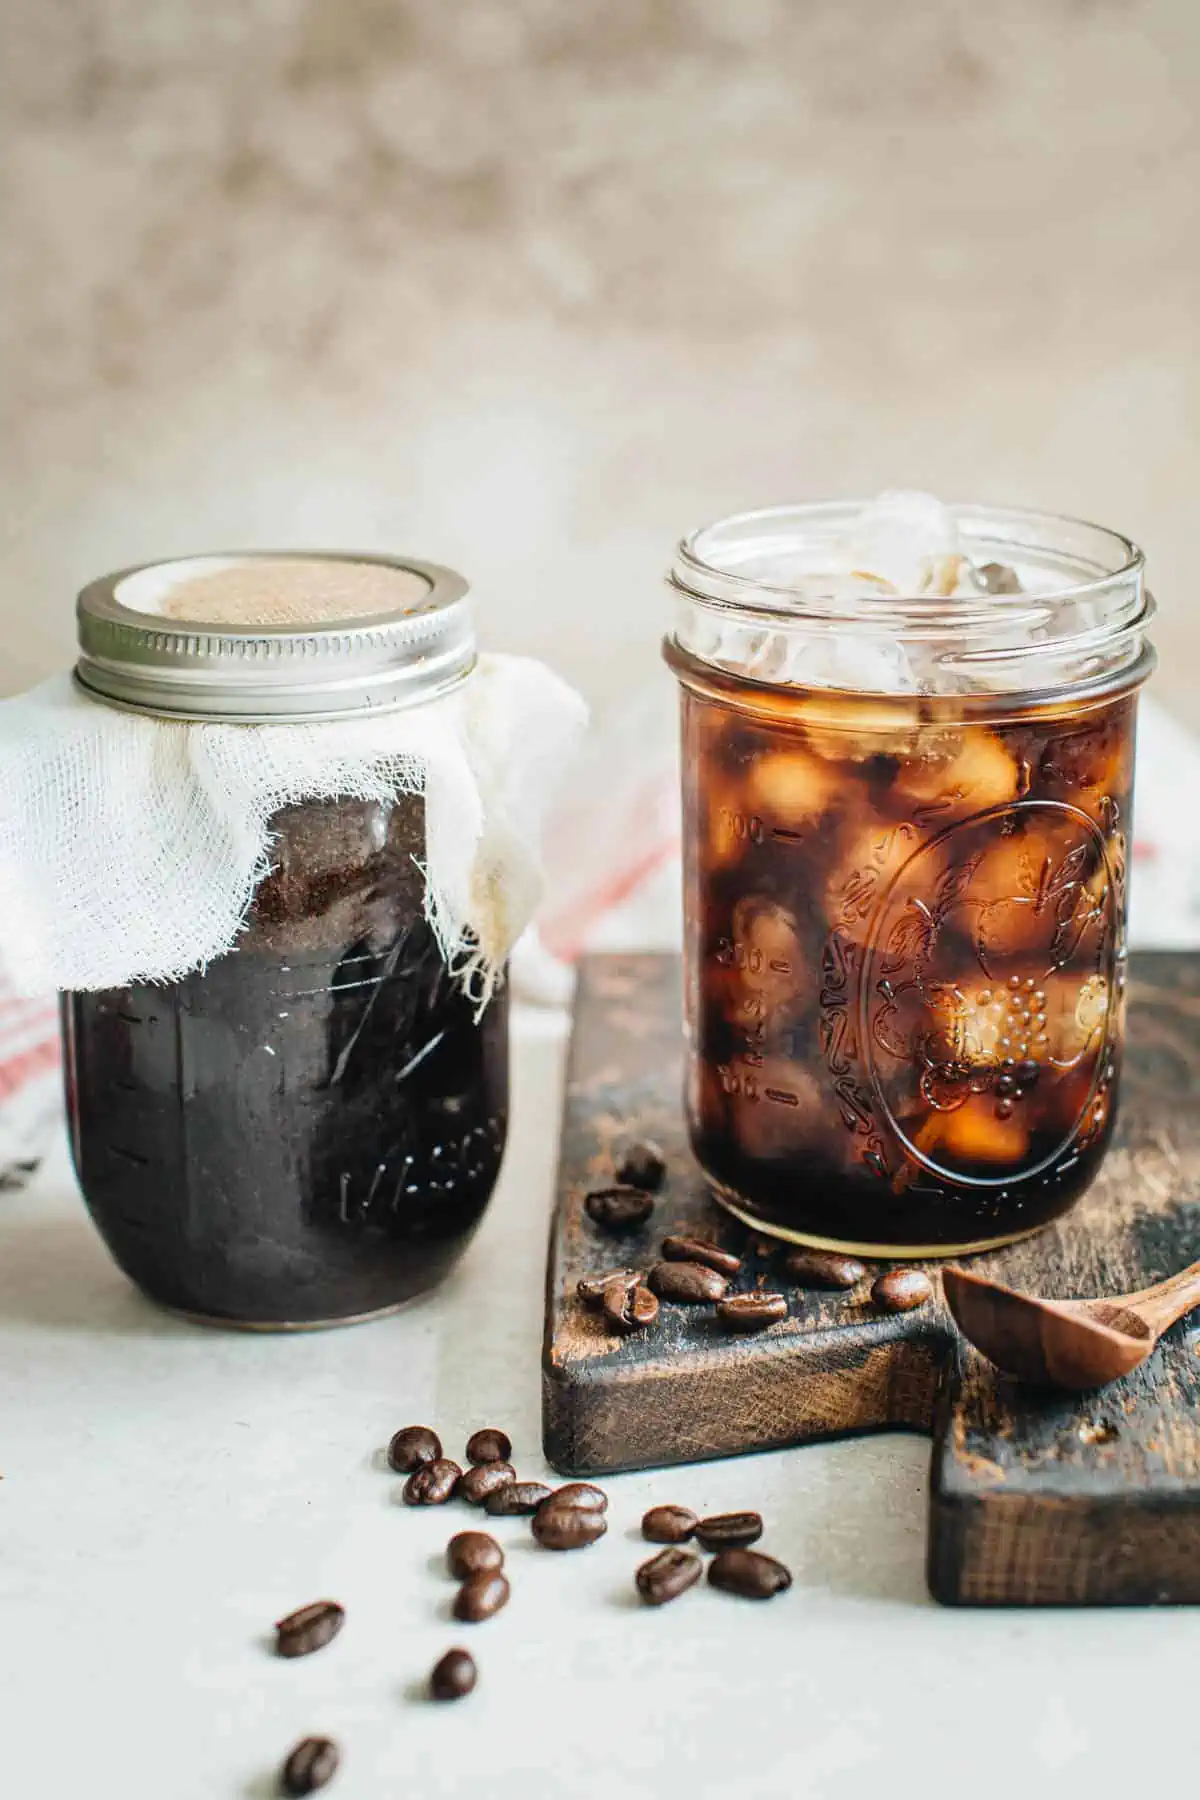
[1036, 1499]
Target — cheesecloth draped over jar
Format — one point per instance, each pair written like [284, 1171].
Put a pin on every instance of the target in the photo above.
[131, 843]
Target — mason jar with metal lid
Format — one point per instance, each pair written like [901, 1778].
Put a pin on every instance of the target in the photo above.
[307, 1130]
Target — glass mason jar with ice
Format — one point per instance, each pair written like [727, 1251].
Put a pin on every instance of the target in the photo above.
[908, 746]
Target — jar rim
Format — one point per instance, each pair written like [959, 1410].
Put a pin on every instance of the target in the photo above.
[774, 594]
[699, 573]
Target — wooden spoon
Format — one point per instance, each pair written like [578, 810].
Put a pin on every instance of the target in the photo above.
[1066, 1343]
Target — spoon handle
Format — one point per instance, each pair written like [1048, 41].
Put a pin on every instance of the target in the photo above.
[1161, 1305]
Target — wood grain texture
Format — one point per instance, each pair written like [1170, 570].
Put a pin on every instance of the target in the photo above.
[1036, 1499]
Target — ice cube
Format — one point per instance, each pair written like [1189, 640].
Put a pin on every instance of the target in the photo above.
[859, 665]
[998, 578]
[900, 538]
[974, 1133]
[790, 788]
[777, 1110]
[777, 972]
[954, 780]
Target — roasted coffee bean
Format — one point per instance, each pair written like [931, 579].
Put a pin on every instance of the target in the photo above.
[669, 1524]
[642, 1165]
[312, 1765]
[567, 1527]
[583, 1494]
[824, 1269]
[474, 1485]
[745, 1313]
[453, 1677]
[748, 1573]
[432, 1484]
[699, 1250]
[667, 1575]
[415, 1445]
[591, 1287]
[619, 1208]
[309, 1628]
[489, 1445]
[473, 1553]
[901, 1290]
[516, 1499]
[687, 1281]
[728, 1531]
[628, 1305]
[480, 1596]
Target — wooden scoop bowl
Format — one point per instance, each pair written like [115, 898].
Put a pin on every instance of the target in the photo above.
[1066, 1343]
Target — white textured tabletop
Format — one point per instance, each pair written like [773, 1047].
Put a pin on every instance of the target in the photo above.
[169, 1491]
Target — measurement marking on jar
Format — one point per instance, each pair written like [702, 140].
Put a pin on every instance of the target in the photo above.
[782, 1096]
[131, 1156]
[422, 1053]
[336, 987]
[388, 969]
[785, 836]
[747, 826]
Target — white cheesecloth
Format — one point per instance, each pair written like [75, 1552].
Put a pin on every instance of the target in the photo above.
[131, 847]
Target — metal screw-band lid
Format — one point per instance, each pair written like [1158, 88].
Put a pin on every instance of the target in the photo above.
[274, 637]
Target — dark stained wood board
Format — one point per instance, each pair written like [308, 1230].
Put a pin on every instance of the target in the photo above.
[1036, 1499]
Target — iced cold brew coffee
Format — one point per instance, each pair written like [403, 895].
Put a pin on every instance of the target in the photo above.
[905, 902]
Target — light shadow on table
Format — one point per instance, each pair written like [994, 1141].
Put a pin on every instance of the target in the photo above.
[55, 1275]
[264, 1786]
[859, 1532]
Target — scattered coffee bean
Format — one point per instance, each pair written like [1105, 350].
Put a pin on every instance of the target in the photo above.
[687, 1281]
[667, 1575]
[901, 1290]
[824, 1269]
[489, 1445]
[516, 1499]
[628, 1305]
[311, 1765]
[432, 1484]
[453, 1677]
[473, 1553]
[591, 1288]
[411, 1447]
[309, 1628]
[699, 1250]
[728, 1531]
[619, 1208]
[584, 1494]
[480, 1596]
[474, 1485]
[642, 1165]
[567, 1527]
[748, 1573]
[669, 1524]
[745, 1313]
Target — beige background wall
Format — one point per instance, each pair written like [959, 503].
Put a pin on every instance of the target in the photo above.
[532, 285]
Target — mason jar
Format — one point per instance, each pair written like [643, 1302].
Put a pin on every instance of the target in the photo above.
[906, 827]
[307, 1130]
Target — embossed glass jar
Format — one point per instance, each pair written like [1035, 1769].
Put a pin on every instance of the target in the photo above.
[905, 831]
